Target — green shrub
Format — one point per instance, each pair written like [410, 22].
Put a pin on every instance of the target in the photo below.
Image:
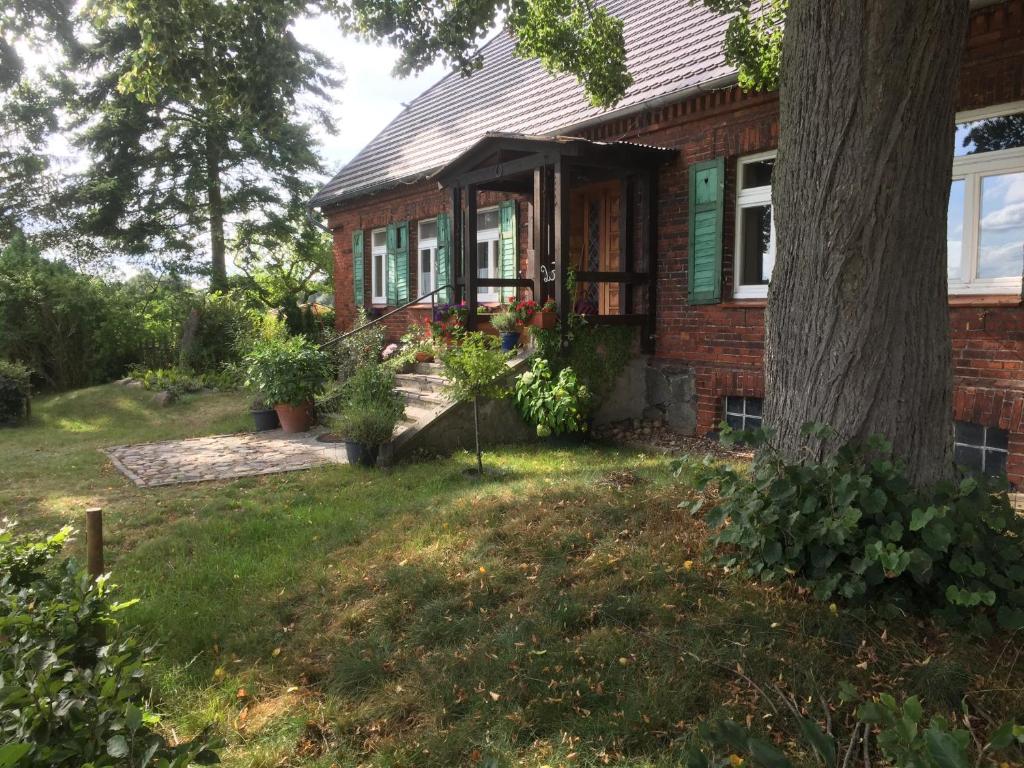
[854, 526]
[15, 392]
[371, 407]
[359, 349]
[172, 379]
[900, 731]
[367, 426]
[215, 331]
[287, 371]
[554, 405]
[73, 689]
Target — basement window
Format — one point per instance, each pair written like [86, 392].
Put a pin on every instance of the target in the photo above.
[743, 413]
[981, 450]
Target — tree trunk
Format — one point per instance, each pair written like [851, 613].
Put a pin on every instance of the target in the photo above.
[857, 328]
[215, 202]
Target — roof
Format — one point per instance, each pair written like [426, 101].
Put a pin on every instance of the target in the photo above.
[672, 46]
[498, 154]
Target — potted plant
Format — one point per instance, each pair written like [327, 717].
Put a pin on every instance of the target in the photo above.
[547, 318]
[371, 412]
[506, 322]
[289, 372]
[263, 415]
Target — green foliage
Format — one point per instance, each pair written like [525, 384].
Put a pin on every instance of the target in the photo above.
[372, 407]
[554, 405]
[753, 40]
[181, 381]
[855, 527]
[359, 349]
[475, 368]
[504, 320]
[577, 37]
[74, 687]
[287, 371]
[216, 332]
[74, 330]
[901, 732]
[15, 392]
[597, 353]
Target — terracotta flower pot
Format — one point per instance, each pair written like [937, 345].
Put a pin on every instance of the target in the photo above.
[295, 418]
[424, 357]
[546, 321]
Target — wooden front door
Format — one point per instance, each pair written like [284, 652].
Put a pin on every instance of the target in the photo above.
[594, 244]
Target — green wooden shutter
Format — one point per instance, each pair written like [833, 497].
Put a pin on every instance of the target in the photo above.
[442, 270]
[357, 266]
[402, 264]
[391, 260]
[508, 252]
[707, 198]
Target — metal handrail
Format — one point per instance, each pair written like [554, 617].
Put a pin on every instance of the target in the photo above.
[418, 300]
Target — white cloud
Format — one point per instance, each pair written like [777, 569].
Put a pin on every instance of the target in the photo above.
[1001, 260]
[1007, 217]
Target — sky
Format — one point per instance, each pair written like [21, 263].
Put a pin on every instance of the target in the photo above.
[370, 96]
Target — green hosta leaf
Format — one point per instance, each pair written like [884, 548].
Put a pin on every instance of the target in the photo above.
[766, 755]
[944, 750]
[10, 754]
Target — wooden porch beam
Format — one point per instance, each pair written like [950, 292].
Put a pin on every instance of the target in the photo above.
[469, 245]
[457, 262]
[561, 227]
[613, 277]
[481, 176]
[504, 282]
[626, 241]
[650, 213]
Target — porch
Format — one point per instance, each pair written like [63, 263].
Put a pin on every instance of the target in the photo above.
[592, 224]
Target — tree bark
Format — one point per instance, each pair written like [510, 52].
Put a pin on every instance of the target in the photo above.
[215, 202]
[857, 328]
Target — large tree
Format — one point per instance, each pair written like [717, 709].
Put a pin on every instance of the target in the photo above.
[857, 327]
[194, 116]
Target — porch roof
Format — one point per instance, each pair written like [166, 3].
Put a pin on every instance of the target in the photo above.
[499, 157]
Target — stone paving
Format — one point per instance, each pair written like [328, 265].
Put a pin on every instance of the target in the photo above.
[222, 457]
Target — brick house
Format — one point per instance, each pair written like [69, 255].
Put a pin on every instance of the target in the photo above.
[661, 207]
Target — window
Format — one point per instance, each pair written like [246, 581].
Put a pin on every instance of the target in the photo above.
[985, 229]
[985, 223]
[378, 265]
[488, 227]
[755, 233]
[743, 413]
[426, 265]
[980, 449]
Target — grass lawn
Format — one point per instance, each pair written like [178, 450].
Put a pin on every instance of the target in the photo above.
[566, 614]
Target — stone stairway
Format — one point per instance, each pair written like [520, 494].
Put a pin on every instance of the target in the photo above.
[432, 422]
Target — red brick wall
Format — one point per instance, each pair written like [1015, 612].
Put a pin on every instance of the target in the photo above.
[724, 343]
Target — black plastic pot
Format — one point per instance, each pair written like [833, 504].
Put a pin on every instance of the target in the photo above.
[357, 453]
[265, 419]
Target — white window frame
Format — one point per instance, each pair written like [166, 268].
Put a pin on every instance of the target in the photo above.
[749, 198]
[492, 237]
[382, 252]
[972, 169]
[426, 243]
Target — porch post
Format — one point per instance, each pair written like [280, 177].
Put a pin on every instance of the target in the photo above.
[456, 277]
[469, 248]
[626, 242]
[649, 180]
[561, 227]
[537, 252]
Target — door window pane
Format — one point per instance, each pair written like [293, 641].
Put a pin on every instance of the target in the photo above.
[955, 230]
[428, 230]
[1001, 232]
[757, 252]
[380, 238]
[488, 219]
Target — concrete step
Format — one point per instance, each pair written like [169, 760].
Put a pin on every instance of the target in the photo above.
[412, 395]
[430, 369]
[424, 382]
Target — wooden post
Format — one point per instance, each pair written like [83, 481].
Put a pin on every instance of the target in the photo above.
[457, 260]
[469, 246]
[94, 541]
[626, 242]
[561, 227]
[650, 182]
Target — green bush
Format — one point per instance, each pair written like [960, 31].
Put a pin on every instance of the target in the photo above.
[215, 332]
[359, 349]
[554, 405]
[368, 426]
[287, 371]
[73, 690]
[15, 392]
[854, 526]
[371, 406]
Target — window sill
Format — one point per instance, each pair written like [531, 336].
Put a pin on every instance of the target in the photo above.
[740, 303]
[985, 300]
